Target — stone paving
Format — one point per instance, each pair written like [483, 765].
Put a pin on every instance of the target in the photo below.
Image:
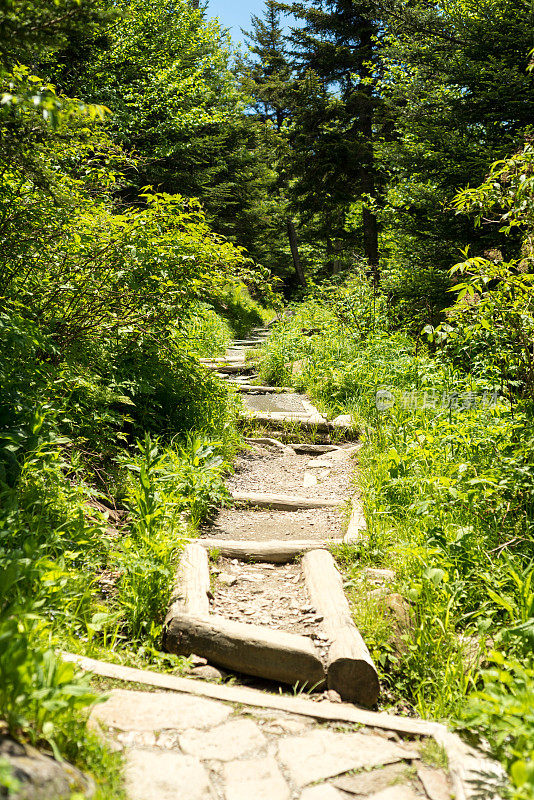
[179, 747]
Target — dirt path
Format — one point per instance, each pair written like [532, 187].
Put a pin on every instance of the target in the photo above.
[192, 740]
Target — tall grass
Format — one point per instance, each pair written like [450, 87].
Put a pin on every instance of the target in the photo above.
[447, 473]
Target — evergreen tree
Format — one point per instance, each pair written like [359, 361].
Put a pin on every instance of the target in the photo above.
[164, 73]
[456, 81]
[267, 71]
[336, 49]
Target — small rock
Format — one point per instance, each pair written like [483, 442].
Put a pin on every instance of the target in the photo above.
[227, 580]
[380, 575]
[207, 673]
[344, 419]
[137, 738]
[42, 777]
[333, 696]
[168, 740]
[297, 367]
[197, 661]
[400, 612]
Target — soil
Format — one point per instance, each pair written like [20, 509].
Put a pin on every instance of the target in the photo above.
[317, 523]
[269, 469]
[264, 594]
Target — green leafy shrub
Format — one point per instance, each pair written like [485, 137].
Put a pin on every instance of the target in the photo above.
[235, 305]
[168, 488]
[502, 714]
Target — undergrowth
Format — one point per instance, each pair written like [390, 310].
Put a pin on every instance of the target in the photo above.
[447, 473]
[100, 483]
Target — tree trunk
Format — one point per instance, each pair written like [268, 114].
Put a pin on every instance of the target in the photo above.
[367, 168]
[293, 243]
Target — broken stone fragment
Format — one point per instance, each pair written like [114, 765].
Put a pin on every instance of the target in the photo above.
[207, 673]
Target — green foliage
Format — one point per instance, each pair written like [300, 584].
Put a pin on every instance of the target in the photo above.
[502, 713]
[235, 305]
[203, 332]
[170, 488]
[448, 487]
[492, 320]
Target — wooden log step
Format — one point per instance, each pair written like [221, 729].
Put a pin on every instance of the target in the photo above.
[250, 649]
[271, 551]
[356, 525]
[350, 668]
[309, 423]
[283, 502]
[229, 369]
[251, 389]
[269, 441]
[192, 583]
[223, 360]
[313, 449]
[246, 343]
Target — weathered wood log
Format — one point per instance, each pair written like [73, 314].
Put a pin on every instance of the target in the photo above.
[269, 441]
[251, 389]
[282, 502]
[229, 369]
[308, 423]
[330, 712]
[356, 525]
[192, 583]
[272, 551]
[251, 649]
[350, 668]
[313, 449]
[223, 360]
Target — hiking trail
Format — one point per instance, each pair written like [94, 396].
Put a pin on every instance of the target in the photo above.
[259, 602]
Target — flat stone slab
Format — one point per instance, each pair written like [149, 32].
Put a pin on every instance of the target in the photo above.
[156, 711]
[226, 742]
[255, 779]
[322, 754]
[435, 782]
[323, 791]
[374, 780]
[290, 403]
[397, 793]
[160, 775]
